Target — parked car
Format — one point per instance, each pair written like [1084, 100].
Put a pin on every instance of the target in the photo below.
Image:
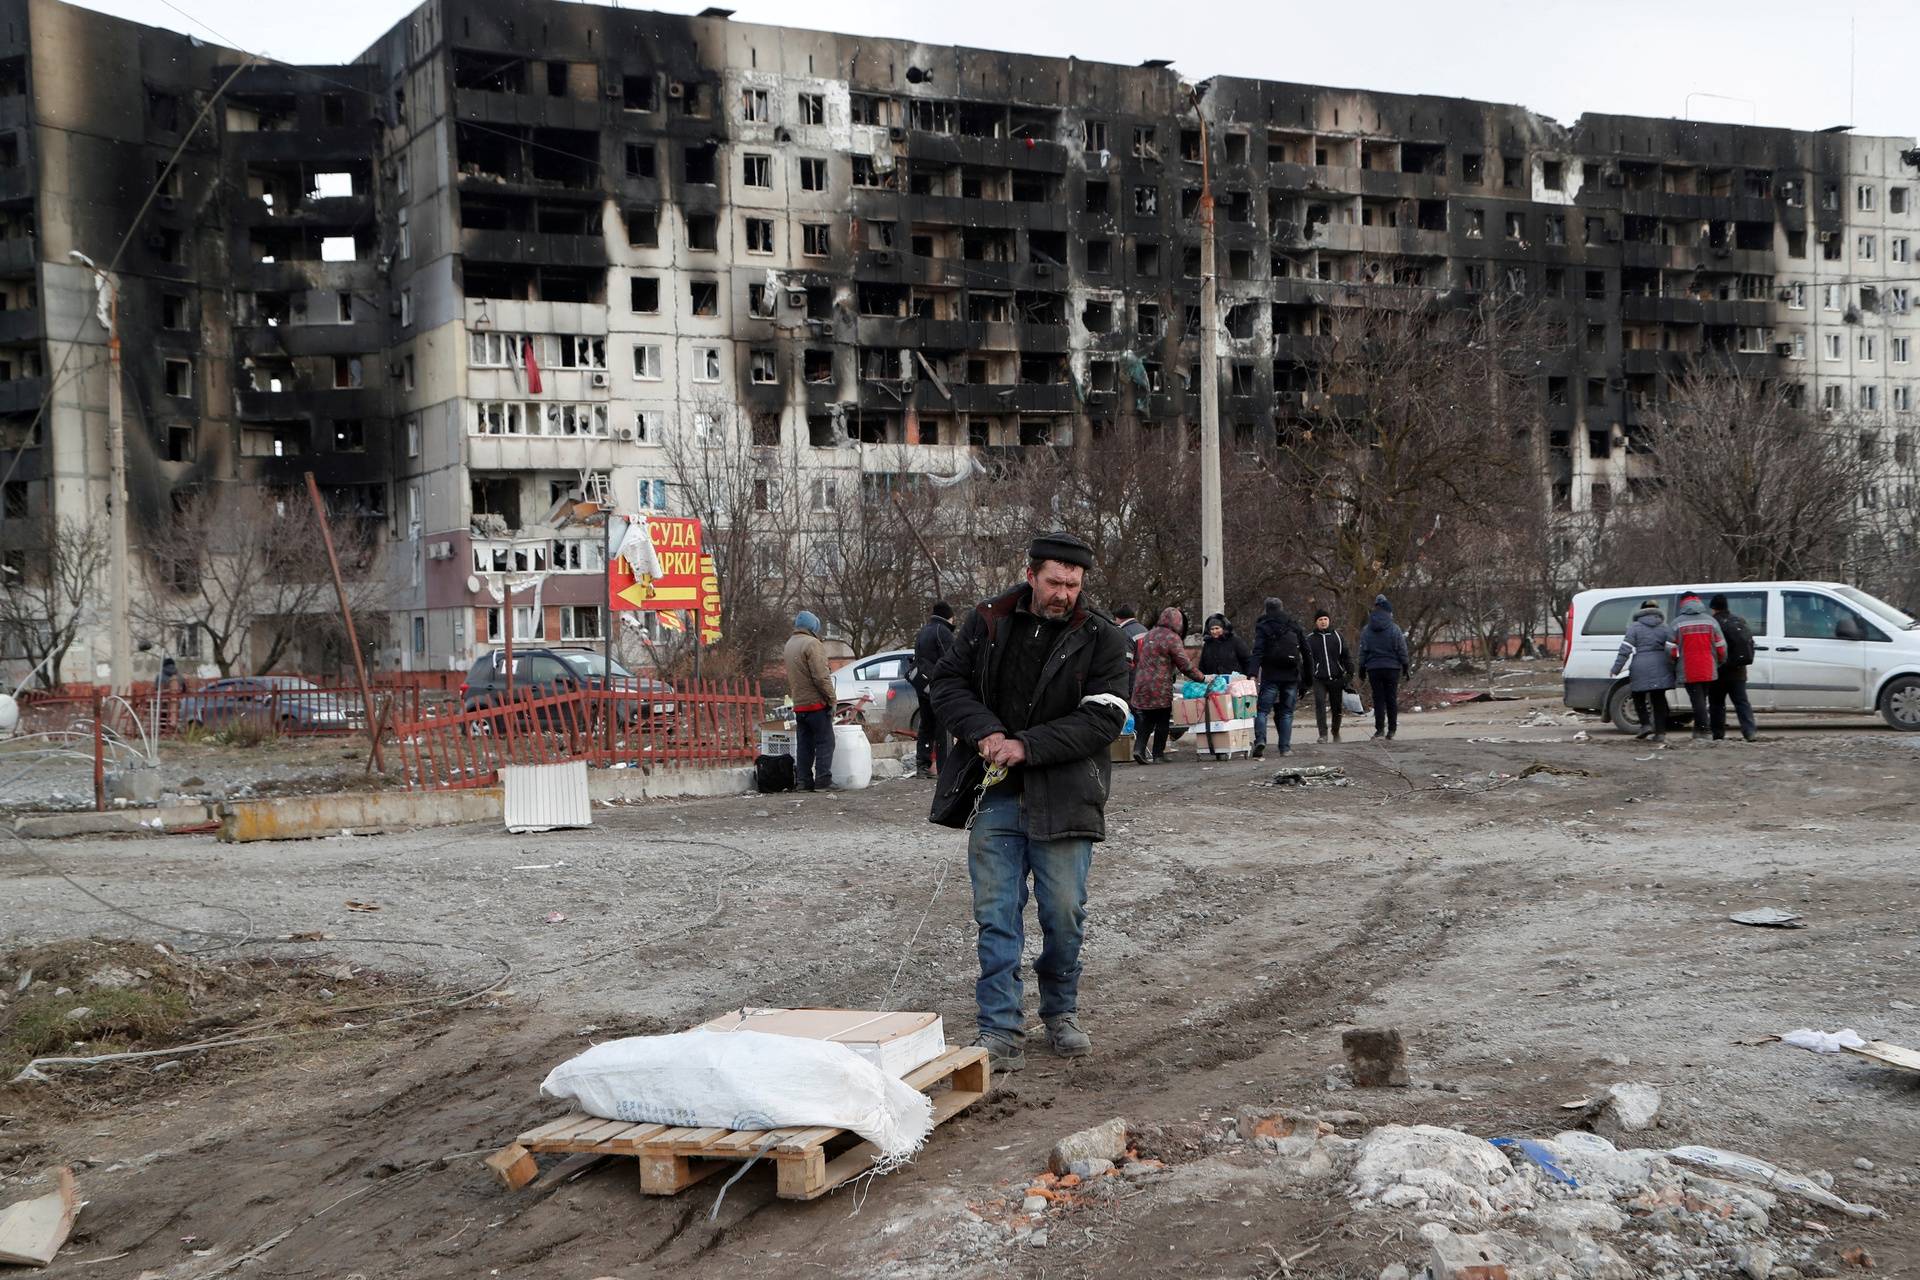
[1818, 646]
[292, 703]
[881, 678]
[545, 672]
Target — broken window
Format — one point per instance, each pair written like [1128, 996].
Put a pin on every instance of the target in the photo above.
[1190, 145]
[1864, 248]
[1145, 146]
[644, 294]
[1472, 168]
[700, 163]
[643, 228]
[817, 365]
[1896, 199]
[1516, 226]
[1897, 250]
[864, 108]
[1831, 246]
[1095, 134]
[706, 364]
[640, 160]
[755, 107]
[756, 170]
[1190, 261]
[1556, 390]
[178, 375]
[173, 311]
[1433, 215]
[1597, 285]
[1596, 337]
[1510, 170]
[704, 296]
[1190, 202]
[348, 371]
[1146, 320]
[1097, 315]
[1146, 258]
[638, 93]
[1146, 200]
[1235, 144]
[646, 362]
[1596, 230]
[163, 111]
[1100, 256]
[1241, 319]
[813, 173]
[813, 108]
[1239, 206]
[1476, 223]
[1553, 175]
[760, 301]
[1475, 277]
[763, 367]
[349, 436]
[1796, 243]
[1239, 264]
[1556, 228]
[703, 232]
[1864, 197]
[759, 235]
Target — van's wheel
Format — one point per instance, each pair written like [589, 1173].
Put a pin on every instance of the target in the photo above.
[1900, 703]
[1620, 711]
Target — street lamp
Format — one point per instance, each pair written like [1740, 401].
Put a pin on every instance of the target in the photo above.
[120, 644]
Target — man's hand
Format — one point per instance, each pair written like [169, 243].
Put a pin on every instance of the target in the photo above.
[998, 748]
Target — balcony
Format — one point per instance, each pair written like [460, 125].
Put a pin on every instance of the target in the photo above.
[22, 395]
[19, 257]
[330, 402]
[265, 340]
[296, 145]
[547, 249]
[485, 107]
[998, 398]
[345, 212]
[1641, 307]
[957, 212]
[992, 153]
[16, 183]
[24, 325]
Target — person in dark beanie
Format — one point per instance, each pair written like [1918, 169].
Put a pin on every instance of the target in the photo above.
[936, 636]
[1132, 630]
[1384, 657]
[1731, 683]
[1279, 662]
[1222, 653]
[1034, 690]
[1329, 666]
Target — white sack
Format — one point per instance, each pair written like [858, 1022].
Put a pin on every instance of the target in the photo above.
[1823, 1041]
[744, 1080]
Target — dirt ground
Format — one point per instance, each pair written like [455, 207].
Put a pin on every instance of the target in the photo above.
[1536, 938]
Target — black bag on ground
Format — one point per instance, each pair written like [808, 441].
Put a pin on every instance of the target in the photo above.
[773, 773]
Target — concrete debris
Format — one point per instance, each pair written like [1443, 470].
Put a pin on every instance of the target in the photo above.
[1494, 1255]
[1755, 1261]
[1377, 1057]
[1438, 1173]
[32, 1231]
[1626, 1108]
[1313, 775]
[1102, 1142]
[1088, 1170]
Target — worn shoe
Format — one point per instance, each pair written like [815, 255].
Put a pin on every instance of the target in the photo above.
[1378, 734]
[1322, 739]
[1065, 1037]
[1142, 759]
[1336, 735]
[1002, 1054]
[1748, 736]
[1390, 734]
[1643, 734]
[1259, 749]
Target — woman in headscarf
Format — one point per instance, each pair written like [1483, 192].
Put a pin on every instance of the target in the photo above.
[1162, 653]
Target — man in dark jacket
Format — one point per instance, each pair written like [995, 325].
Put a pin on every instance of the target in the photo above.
[1131, 629]
[1731, 683]
[1223, 653]
[931, 645]
[1329, 666]
[1279, 663]
[1034, 691]
[1385, 659]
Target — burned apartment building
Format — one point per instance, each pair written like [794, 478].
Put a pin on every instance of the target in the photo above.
[881, 258]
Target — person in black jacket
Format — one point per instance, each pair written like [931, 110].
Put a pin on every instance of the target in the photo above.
[1034, 690]
[1223, 653]
[1731, 683]
[1279, 662]
[931, 645]
[1329, 667]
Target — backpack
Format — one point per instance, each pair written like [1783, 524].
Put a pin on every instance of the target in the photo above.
[1739, 640]
[1282, 652]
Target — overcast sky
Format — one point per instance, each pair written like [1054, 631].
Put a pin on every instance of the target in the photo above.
[1786, 62]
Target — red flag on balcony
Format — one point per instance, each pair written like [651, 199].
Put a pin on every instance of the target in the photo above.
[533, 365]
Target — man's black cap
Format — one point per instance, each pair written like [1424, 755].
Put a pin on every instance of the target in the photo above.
[1062, 546]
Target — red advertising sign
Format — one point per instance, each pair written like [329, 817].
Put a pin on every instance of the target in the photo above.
[676, 543]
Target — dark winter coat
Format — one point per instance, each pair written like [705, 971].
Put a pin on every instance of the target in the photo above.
[1226, 656]
[1162, 653]
[1739, 642]
[1078, 709]
[1645, 648]
[1327, 657]
[1698, 646]
[1383, 645]
[1273, 656]
[931, 645]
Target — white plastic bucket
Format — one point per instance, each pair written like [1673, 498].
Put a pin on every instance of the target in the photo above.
[852, 757]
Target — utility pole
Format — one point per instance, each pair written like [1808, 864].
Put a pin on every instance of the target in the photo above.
[119, 592]
[1213, 580]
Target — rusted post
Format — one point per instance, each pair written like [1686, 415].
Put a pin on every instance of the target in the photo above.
[346, 616]
[99, 758]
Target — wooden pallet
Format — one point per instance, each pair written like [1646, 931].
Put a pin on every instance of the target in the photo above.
[674, 1158]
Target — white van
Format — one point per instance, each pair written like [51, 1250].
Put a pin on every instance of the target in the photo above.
[1818, 646]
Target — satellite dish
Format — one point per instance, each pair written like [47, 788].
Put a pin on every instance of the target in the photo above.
[473, 582]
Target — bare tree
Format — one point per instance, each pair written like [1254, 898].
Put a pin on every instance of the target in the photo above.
[1751, 486]
[249, 569]
[48, 593]
[1419, 438]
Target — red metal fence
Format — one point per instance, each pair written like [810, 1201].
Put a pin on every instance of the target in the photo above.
[268, 705]
[710, 722]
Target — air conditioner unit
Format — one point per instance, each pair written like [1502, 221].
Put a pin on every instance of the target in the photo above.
[1827, 237]
[439, 551]
[1042, 271]
[615, 89]
[1783, 348]
[783, 134]
[623, 433]
[796, 297]
[883, 257]
[599, 378]
[896, 133]
[675, 89]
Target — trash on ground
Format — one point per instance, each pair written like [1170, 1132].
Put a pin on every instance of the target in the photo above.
[1559, 770]
[1732, 1164]
[1823, 1041]
[353, 905]
[556, 917]
[1312, 775]
[1540, 1155]
[1888, 1054]
[1770, 918]
[32, 1231]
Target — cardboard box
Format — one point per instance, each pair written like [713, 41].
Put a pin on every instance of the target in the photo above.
[1245, 705]
[894, 1042]
[1189, 710]
[1221, 741]
[1122, 749]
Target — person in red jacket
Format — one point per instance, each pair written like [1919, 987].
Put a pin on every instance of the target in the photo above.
[1698, 648]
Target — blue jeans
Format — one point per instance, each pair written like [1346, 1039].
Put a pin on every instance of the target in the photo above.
[1284, 697]
[812, 749]
[1000, 858]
